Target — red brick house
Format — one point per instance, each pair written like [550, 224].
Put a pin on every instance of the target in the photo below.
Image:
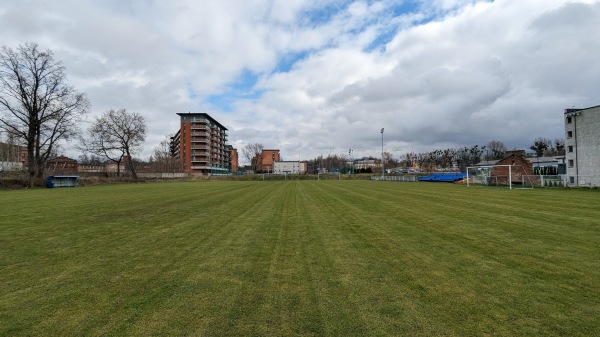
[62, 165]
[521, 167]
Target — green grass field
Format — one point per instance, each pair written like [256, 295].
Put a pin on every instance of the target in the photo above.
[299, 258]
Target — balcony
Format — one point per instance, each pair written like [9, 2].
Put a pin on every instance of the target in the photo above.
[201, 134]
[199, 147]
[199, 127]
[199, 140]
[200, 120]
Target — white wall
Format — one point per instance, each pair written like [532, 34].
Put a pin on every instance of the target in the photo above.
[289, 167]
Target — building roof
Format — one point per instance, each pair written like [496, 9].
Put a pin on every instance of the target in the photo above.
[572, 110]
[533, 160]
[61, 159]
[201, 114]
[553, 159]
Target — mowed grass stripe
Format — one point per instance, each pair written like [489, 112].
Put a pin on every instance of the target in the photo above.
[299, 258]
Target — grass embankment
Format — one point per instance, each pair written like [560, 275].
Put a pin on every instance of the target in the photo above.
[299, 258]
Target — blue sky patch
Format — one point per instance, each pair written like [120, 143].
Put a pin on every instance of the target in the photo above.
[241, 89]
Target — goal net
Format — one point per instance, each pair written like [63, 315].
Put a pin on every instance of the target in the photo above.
[511, 176]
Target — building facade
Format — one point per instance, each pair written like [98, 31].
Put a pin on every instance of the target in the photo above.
[520, 173]
[267, 157]
[202, 145]
[582, 145]
[61, 165]
[289, 167]
[12, 157]
[233, 156]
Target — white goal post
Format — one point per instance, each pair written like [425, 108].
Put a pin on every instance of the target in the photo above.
[511, 176]
[329, 176]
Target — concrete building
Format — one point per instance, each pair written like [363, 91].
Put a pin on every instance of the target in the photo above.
[289, 167]
[582, 144]
[202, 148]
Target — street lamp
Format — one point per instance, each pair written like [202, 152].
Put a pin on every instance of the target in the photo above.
[382, 168]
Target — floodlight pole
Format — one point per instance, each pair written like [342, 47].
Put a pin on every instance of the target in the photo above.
[351, 162]
[382, 168]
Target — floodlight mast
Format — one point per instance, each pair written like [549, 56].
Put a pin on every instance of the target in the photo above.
[382, 168]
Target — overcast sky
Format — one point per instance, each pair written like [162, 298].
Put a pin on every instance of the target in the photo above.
[312, 77]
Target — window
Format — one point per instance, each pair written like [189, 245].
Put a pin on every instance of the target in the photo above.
[569, 134]
[569, 120]
[570, 162]
[570, 148]
[571, 180]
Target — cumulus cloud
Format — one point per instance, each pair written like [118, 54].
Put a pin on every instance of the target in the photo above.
[313, 76]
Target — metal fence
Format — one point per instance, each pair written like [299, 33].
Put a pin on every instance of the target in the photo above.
[553, 181]
[405, 178]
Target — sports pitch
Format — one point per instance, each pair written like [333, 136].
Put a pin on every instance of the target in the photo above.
[299, 258]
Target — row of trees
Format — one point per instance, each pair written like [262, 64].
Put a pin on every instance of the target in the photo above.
[546, 147]
[461, 157]
[40, 109]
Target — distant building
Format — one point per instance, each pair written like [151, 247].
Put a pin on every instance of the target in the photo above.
[91, 168]
[367, 163]
[521, 173]
[12, 157]
[289, 167]
[267, 157]
[553, 165]
[233, 159]
[202, 148]
[61, 165]
[121, 168]
[174, 147]
[582, 145]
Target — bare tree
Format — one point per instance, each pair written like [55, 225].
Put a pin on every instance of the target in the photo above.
[164, 156]
[389, 160]
[540, 145]
[37, 104]
[252, 152]
[408, 159]
[115, 135]
[559, 147]
[495, 149]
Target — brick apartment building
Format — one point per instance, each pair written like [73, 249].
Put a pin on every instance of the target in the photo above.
[267, 157]
[202, 148]
[233, 155]
[62, 165]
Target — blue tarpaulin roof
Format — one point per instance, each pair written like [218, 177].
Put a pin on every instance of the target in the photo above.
[444, 177]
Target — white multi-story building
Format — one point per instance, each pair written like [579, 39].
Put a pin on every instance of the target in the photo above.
[582, 145]
[289, 167]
